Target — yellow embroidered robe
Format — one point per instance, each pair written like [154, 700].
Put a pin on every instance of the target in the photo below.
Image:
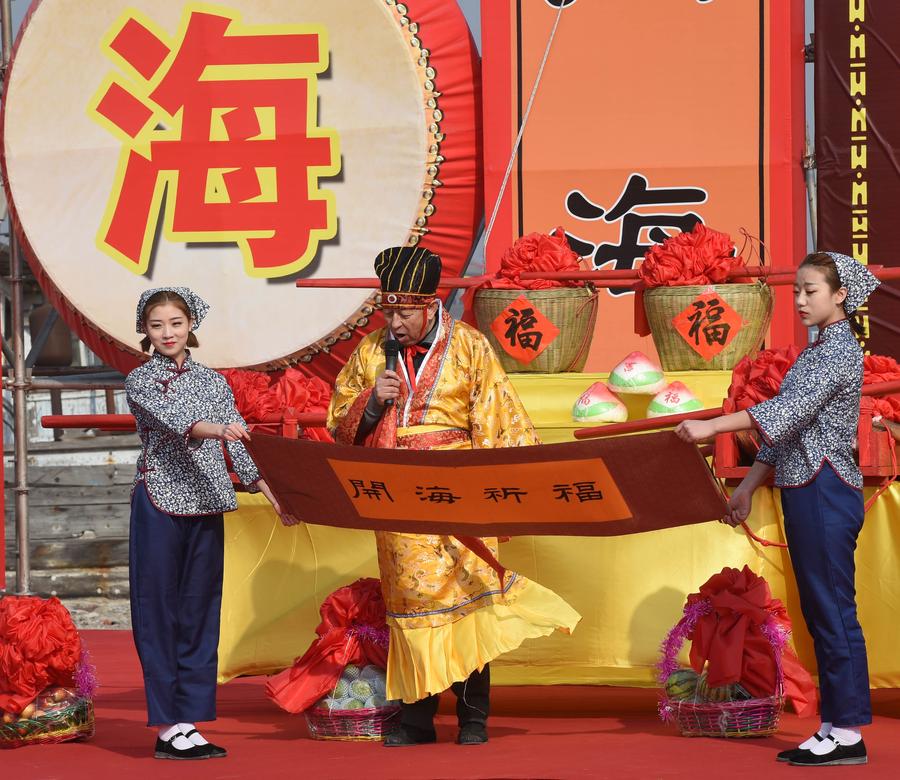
[447, 611]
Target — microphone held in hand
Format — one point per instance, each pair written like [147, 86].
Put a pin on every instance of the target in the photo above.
[391, 352]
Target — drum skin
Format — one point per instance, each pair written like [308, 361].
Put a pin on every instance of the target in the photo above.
[395, 100]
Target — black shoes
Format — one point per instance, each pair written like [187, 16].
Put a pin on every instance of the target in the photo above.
[789, 755]
[472, 734]
[214, 751]
[842, 755]
[166, 750]
[407, 736]
[195, 753]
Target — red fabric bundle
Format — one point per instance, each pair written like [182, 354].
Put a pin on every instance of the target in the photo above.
[251, 393]
[352, 631]
[880, 368]
[702, 256]
[757, 380]
[887, 407]
[39, 648]
[732, 640]
[535, 252]
[262, 399]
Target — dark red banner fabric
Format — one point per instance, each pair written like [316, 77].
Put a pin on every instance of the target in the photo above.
[600, 487]
[857, 50]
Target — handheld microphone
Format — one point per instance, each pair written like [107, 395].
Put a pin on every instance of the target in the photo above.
[391, 352]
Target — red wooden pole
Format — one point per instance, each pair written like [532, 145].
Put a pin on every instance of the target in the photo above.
[650, 424]
[773, 276]
[126, 422]
[671, 420]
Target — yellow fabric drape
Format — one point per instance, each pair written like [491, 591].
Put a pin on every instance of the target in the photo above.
[629, 589]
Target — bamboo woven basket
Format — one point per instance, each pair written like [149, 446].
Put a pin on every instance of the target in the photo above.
[753, 302]
[571, 309]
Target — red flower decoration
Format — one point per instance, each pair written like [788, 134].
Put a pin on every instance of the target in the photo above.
[263, 398]
[534, 253]
[758, 380]
[39, 648]
[880, 368]
[702, 256]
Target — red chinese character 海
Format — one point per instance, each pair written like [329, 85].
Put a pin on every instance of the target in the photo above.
[223, 122]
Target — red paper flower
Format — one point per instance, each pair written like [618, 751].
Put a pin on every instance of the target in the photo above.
[758, 380]
[252, 396]
[702, 256]
[880, 368]
[260, 397]
[887, 407]
[39, 648]
[539, 252]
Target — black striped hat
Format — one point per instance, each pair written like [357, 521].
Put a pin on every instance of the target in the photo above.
[409, 276]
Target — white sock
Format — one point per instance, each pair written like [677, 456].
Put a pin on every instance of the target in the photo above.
[846, 735]
[173, 735]
[196, 738]
[838, 736]
[824, 731]
[167, 732]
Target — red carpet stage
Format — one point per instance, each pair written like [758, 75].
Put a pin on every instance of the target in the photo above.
[559, 732]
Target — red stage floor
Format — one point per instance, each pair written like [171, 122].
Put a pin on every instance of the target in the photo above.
[561, 732]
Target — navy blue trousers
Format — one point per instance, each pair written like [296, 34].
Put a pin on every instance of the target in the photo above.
[821, 521]
[176, 593]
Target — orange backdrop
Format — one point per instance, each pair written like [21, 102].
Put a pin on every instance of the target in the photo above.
[674, 96]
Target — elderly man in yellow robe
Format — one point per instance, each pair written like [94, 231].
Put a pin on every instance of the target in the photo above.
[448, 612]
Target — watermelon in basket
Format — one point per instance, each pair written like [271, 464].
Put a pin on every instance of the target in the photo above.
[356, 709]
[710, 699]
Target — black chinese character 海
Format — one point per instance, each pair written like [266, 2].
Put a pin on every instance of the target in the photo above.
[629, 249]
[437, 495]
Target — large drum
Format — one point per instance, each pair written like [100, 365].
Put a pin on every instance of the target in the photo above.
[233, 149]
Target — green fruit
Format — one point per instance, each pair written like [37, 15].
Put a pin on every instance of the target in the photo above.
[681, 684]
[341, 690]
[353, 704]
[718, 694]
[351, 672]
[360, 689]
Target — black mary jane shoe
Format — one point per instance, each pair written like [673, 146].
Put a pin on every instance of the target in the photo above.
[790, 755]
[212, 751]
[407, 736]
[167, 750]
[472, 734]
[842, 755]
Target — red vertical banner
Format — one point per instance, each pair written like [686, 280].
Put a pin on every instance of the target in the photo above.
[857, 47]
[651, 116]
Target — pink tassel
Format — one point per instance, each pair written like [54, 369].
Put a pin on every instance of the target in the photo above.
[86, 676]
[675, 639]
